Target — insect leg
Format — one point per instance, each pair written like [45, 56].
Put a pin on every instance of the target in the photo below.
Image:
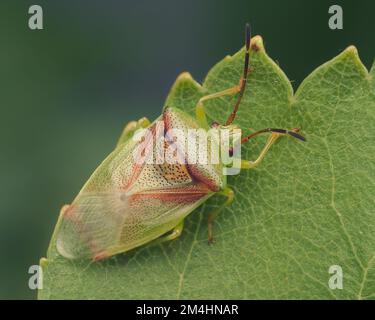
[131, 127]
[199, 108]
[276, 133]
[229, 194]
[240, 88]
[176, 232]
[243, 80]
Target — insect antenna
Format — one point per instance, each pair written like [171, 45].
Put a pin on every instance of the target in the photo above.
[244, 76]
[294, 133]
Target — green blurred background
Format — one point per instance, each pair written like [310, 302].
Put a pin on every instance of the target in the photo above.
[66, 91]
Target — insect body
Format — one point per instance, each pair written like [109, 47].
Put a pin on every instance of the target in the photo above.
[127, 203]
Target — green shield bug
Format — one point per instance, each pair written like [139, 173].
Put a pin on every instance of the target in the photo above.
[158, 173]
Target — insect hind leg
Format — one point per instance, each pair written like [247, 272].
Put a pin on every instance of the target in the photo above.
[176, 232]
[229, 194]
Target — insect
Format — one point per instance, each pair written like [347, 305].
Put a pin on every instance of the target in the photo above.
[126, 204]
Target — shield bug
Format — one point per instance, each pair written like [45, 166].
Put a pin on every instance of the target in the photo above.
[148, 185]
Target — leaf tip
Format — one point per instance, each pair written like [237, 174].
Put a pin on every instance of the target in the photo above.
[184, 76]
[257, 43]
[43, 262]
[352, 50]
[352, 53]
[184, 82]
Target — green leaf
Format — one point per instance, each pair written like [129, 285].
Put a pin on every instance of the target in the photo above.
[308, 206]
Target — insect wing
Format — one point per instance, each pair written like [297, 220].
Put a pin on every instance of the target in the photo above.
[125, 204]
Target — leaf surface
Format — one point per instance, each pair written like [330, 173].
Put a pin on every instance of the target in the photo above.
[307, 207]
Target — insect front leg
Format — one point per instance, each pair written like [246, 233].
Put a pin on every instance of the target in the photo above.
[131, 127]
[248, 164]
[200, 113]
[229, 194]
[240, 88]
[276, 133]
